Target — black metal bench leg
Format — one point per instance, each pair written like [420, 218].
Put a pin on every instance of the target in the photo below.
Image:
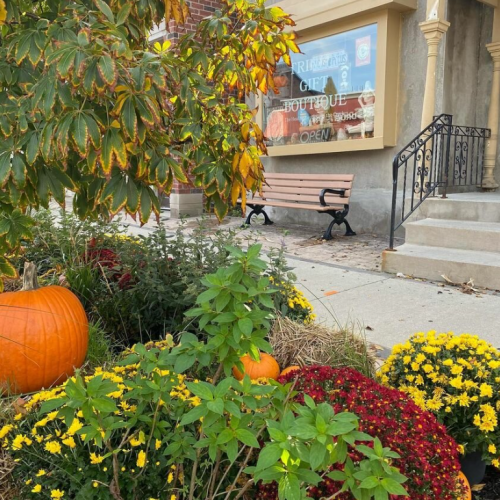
[267, 220]
[328, 233]
[258, 211]
[349, 231]
[248, 221]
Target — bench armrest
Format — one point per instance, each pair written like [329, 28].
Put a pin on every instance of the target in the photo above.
[340, 192]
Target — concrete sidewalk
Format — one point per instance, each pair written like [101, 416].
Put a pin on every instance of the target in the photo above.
[390, 309]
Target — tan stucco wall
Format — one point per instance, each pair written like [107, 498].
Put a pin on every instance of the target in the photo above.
[463, 83]
[371, 198]
[468, 65]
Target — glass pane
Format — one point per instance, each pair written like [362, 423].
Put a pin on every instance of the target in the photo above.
[328, 94]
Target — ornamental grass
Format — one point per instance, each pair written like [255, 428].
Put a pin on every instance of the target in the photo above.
[429, 456]
[456, 377]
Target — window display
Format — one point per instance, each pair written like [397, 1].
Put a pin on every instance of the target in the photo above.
[328, 94]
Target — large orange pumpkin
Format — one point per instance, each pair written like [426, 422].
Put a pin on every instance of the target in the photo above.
[468, 493]
[267, 367]
[289, 369]
[43, 336]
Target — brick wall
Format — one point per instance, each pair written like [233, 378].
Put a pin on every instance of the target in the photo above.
[199, 9]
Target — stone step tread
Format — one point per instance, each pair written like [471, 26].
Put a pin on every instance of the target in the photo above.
[458, 224]
[477, 197]
[474, 257]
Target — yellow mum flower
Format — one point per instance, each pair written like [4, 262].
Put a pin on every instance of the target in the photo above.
[141, 459]
[492, 449]
[486, 391]
[37, 488]
[157, 444]
[5, 430]
[96, 459]
[420, 358]
[53, 447]
[56, 494]
[69, 441]
[138, 441]
[41, 473]
[75, 426]
[457, 382]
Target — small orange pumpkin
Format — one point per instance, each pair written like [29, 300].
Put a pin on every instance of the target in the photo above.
[468, 491]
[267, 367]
[289, 369]
[43, 335]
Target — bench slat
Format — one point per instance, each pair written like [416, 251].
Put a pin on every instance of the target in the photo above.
[319, 185]
[311, 177]
[282, 204]
[302, 190]
[329, 198]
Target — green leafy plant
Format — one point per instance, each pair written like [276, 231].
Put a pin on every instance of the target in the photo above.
[87, 105]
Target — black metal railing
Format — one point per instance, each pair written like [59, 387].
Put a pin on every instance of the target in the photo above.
[443, 156]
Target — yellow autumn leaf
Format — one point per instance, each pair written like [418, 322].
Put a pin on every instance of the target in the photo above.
[243, 200]
[3, 12]
[245, 131]
[249, 182]
[235, 192]
[115, 124]
[236, 161]
[245, 163]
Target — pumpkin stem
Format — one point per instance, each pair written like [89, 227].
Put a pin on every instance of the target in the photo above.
[30, 279]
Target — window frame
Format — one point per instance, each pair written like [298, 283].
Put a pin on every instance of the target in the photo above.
[386, 83]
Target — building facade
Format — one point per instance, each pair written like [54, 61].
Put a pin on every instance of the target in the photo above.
[371, 76]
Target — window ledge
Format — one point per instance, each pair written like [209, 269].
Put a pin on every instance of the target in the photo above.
[327, 11]
[327, 147]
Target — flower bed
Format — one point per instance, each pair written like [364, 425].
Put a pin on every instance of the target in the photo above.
[168, 421]
[429, 457]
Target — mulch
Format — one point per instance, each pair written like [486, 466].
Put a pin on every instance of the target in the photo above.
[491, 488]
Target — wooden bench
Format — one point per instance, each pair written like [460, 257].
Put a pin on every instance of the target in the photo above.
[324, 193]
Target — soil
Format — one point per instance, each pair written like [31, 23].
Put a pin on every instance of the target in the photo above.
[491, 488]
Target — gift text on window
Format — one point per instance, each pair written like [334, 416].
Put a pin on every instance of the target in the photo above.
[328, 94]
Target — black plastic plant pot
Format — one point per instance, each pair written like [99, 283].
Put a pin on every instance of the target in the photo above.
[473, 467]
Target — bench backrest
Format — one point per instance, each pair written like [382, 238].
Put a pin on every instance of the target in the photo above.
[306, 187]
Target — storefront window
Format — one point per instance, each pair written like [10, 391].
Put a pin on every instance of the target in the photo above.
[328, 94]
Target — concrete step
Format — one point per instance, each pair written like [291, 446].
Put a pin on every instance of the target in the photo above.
[477, 207]
[458, 234]
[432, 262]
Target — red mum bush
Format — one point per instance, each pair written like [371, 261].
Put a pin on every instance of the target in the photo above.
[429, 456]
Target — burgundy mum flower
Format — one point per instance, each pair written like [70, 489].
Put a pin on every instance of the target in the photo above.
[429, 456]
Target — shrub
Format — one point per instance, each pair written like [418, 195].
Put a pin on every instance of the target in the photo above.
[428, 455]
[151, 427]
[140, 288]
[456, 377]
